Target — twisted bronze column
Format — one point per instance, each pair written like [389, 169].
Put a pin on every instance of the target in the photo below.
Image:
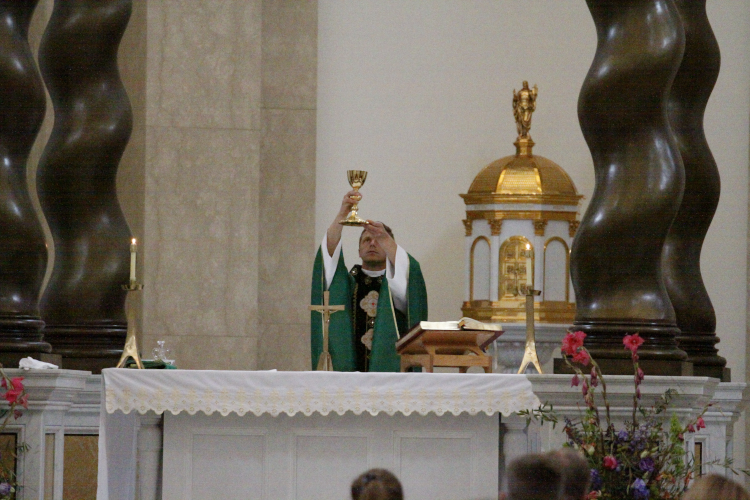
[23, 255]
[616, 256]
[682, 274]
[83, 305]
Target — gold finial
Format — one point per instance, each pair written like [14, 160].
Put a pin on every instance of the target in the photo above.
[524, 105]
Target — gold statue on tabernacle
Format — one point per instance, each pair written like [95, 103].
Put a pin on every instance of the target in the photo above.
[524, 104]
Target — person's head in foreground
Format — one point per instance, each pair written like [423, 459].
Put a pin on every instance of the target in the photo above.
[576, 473]
[715, 486]
[377, 484]
[534, 477]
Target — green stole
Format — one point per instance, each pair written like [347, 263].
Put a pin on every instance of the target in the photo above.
[387, 329]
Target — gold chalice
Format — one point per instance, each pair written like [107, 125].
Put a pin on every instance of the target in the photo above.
[356, 180]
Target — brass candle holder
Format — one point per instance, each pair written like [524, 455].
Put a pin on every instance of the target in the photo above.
[131, 343]
[529, 351]
[356, 180]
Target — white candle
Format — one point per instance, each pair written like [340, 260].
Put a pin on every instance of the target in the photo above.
[133, 249]
[529, 280]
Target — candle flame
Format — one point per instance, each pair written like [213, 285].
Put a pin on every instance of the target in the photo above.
[133, 241]
[528, 246]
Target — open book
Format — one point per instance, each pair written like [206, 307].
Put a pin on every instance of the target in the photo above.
[462, 324]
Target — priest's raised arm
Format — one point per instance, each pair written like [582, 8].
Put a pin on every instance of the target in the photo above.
[384, 297]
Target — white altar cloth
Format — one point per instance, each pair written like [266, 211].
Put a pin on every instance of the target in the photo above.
[128, 392]
[272, 392]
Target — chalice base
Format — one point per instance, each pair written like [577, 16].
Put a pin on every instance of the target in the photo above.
[353, 220]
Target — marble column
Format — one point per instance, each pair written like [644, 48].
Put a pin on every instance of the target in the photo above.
[23, 255]
[83, 305]
[616, 264]
[682, 251]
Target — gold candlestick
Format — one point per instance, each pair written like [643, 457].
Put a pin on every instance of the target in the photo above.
[529, 352]
[131, 343]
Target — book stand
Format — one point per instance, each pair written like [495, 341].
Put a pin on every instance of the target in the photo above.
[460, 349]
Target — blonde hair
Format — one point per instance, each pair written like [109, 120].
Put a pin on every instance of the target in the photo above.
[715, 486]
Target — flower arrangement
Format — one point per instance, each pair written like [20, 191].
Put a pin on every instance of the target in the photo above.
[644, 460]
[15, 395]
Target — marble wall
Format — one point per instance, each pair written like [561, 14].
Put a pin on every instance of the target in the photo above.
[229, 180]
[287, 182]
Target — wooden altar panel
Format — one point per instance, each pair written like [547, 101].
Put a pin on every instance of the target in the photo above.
[317, 457]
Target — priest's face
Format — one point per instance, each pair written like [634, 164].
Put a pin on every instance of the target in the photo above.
[372, 254]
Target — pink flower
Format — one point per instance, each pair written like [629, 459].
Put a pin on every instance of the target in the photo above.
[639, 375]
[14, 391]
[690, 428]
[15, 383]
[633, 342]
[582, 357]
[610, 462]
[572, 342]
[594, 379]
[574, 382]
[585, 388]
[700, 423]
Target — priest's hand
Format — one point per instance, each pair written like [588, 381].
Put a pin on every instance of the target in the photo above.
[379, 234]
[333, 235]
[349, 200]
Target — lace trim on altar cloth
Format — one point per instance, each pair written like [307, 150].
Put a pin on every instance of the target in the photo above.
[274, 393]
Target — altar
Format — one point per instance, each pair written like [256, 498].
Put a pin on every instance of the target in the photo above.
[302, 435]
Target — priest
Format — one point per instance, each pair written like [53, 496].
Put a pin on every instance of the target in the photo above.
[385, 297]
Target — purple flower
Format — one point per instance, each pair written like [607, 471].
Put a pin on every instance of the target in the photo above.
[640, 492]
[647, 464]
[622, 435]
[596, 480]
[5, 489]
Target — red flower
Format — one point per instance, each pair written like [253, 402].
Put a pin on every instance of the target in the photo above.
[574, 382]
[700, 423]
[690, 428]
[15, 383]
[14, 391]
[632, 342]
[610, 462]
[582, 357]
[572, 342]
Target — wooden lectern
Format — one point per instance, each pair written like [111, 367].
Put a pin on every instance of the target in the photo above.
[448, 348]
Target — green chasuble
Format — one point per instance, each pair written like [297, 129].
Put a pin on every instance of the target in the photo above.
[388, 327]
